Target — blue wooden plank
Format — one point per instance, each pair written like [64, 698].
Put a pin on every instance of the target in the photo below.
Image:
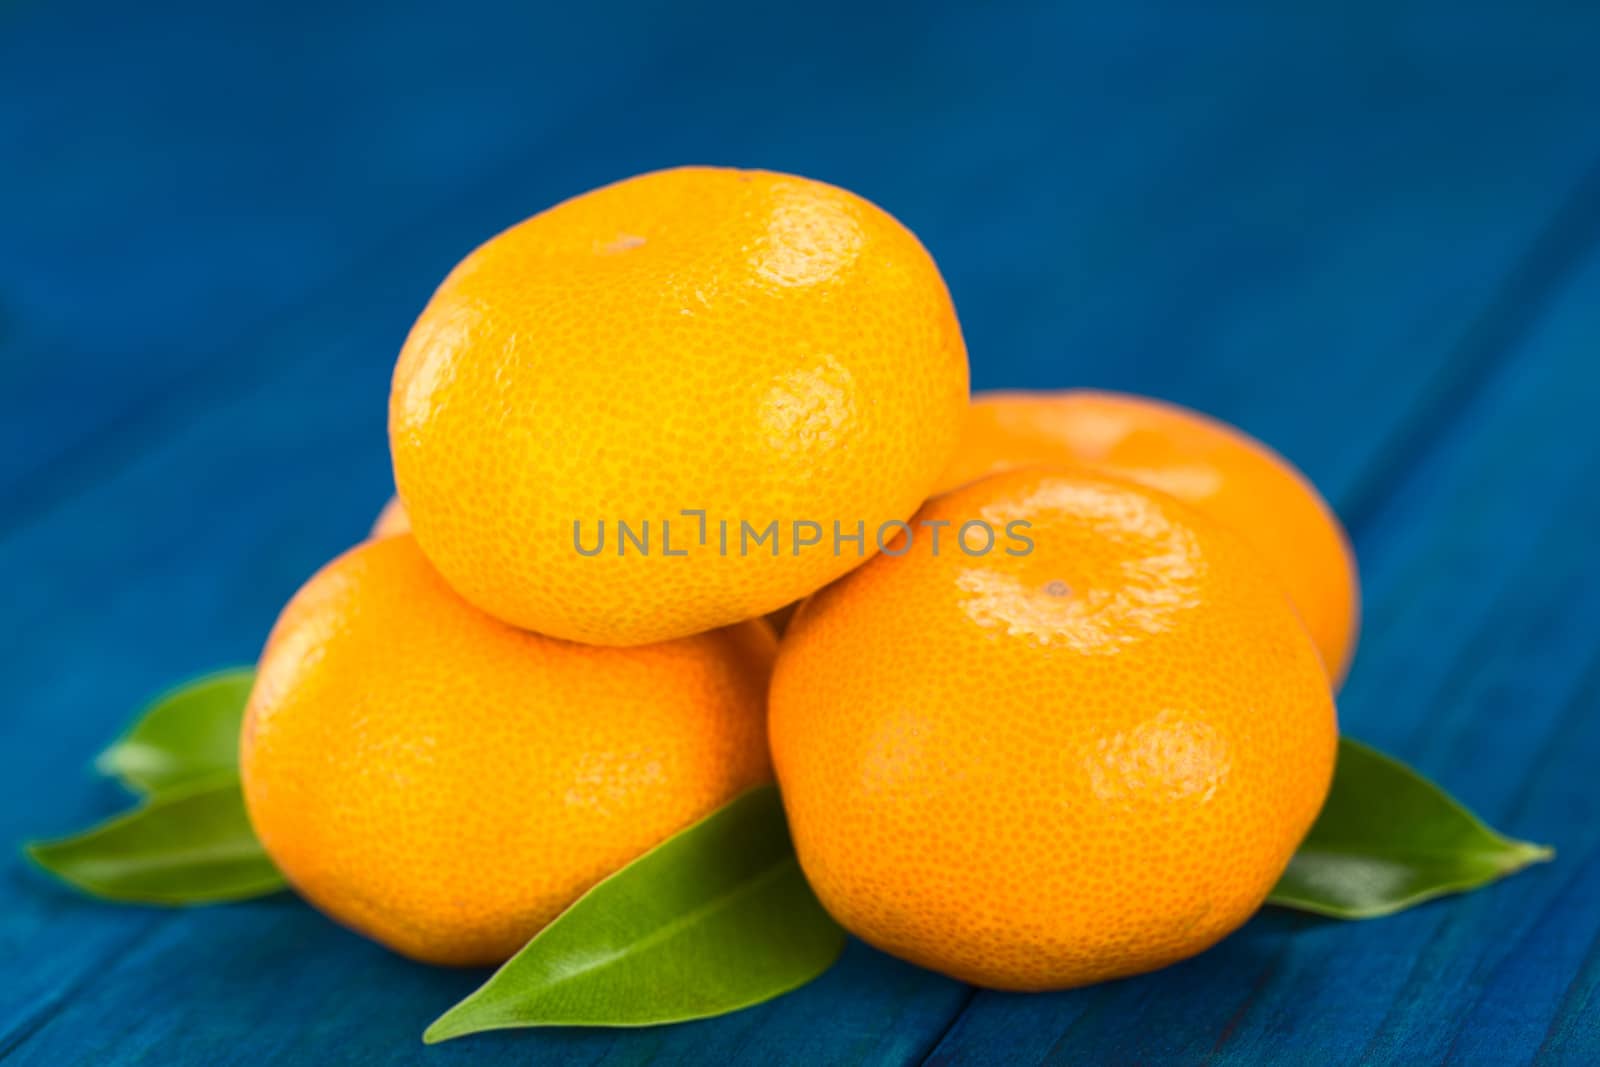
[217, 613]
[1213, 229]
[356, 1004]
[1480, 666]
[1085, 198]
[191, 171]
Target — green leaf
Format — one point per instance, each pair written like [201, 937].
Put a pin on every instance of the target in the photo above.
[1388, 839]
[189, 733]
[715, 919]
[188, 845]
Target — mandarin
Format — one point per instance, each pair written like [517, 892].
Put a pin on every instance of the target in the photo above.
[1035, 769]
[1219, 469]
[687, 352]
[391, 520]
[447, 785]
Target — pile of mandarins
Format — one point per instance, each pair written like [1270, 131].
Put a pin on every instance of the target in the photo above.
[1056, 704]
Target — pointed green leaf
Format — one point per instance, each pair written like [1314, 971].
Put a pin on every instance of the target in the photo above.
[188, 733]
[715, 919]
[188, 845]
[1388, 839]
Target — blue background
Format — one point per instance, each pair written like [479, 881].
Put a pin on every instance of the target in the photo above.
[1369, 236]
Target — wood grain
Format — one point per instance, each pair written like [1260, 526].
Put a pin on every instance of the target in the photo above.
[1370, 238]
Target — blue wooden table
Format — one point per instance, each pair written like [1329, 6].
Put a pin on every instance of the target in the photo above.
[1371, 237]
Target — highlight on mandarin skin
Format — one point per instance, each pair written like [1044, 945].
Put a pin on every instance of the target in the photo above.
[714, 623]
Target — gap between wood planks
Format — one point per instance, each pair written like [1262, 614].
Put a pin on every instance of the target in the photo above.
[30, 1022]
[170, 404]
[1556, 255]
[1522, 299]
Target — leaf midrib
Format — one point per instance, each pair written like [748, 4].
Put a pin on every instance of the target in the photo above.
[242, 850]
[668, 930]
[1513, 850]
